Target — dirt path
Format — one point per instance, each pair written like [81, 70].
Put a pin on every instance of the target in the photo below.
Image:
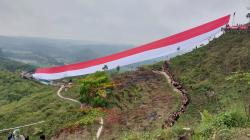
[18, 127]
[173, 117]
[168, 79]
[101, 122]
[65, 98]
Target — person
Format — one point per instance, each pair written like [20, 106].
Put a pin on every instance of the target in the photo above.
[42, 137]
[10, 136]
[16, 135]
[27, 138]
[105, 68]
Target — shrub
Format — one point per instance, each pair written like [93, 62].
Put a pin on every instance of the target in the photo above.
[231, 119]
[218, 124]
[95, 89]
[89, 117]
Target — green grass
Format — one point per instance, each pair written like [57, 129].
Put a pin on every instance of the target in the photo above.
[216, 77]
[205, 71]
[24, 101]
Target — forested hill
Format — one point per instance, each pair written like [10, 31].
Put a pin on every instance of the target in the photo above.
[12, 66]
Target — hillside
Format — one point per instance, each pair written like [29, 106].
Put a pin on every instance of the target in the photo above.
[206, 74]
[23, 102]
[11, 65]
[205, 70]
[216, 77]
[49, 52]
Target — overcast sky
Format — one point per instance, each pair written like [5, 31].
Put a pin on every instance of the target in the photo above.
[112, 21]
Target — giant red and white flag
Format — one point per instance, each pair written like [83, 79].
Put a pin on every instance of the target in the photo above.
[186, 40]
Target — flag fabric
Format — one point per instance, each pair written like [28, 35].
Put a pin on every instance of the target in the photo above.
[187, 40]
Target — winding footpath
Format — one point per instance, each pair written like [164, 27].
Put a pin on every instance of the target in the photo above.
[65, 98]
[27, 125]
[101, 122]
[174, 116]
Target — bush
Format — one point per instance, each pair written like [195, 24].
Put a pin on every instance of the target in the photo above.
[218, 124]
[89, 117]
[95, 89]
[231, 119]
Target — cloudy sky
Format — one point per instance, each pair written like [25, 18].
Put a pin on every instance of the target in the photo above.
[111, 21]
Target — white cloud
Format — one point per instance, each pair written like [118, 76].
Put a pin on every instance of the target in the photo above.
[115, 21]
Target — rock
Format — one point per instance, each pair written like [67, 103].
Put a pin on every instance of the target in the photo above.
[248, 135]
[143, 106]
[186, 128]
[152, 116]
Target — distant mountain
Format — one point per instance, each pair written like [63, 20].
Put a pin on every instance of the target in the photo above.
[51, 52]
[12, 66]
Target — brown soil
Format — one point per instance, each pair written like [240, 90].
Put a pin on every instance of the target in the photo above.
[143, 112]
[147, 113]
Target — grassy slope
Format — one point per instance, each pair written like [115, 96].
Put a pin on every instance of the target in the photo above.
[137, 95]
[23, 102]
[203, 72]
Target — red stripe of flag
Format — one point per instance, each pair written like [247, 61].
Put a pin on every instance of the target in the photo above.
[191, 33]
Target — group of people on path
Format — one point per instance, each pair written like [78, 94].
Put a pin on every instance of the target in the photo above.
[238, 27]
[173, 117]
[16, 135]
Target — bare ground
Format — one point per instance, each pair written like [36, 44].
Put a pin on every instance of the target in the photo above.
[145, 100]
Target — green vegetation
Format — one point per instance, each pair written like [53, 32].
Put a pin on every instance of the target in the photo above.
[161, 134]
[23, 102]
[89, 117]
[95, 90]
[216, 77]
[239, 77]
[220, 125]
[10, 65]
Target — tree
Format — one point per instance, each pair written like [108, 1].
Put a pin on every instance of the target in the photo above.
[95, 89]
